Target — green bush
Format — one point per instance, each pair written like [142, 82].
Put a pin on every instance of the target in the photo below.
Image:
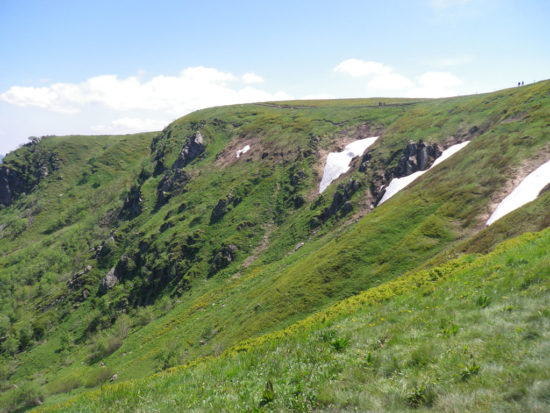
[144, 315]
[98, 376]
[22, 397]
[103, 346]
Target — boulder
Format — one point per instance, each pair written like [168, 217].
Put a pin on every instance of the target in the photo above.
[108, 281]
[223, 257]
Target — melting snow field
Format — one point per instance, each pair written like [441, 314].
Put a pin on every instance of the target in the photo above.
[338, 162]
[524, 193]
[397, 184]
[242, 151]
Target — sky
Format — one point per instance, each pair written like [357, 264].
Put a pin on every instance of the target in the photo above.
[104, 67]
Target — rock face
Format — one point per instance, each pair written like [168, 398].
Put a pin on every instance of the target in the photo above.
[341, 200]
[223, 257]
[132, 203]
[76, 281]
[108, 281]
[22, 175]
[125, 267]
[173, 183]
[223, 205]
[11, 185]
[175, 179]
[416, 157]
[191, 150]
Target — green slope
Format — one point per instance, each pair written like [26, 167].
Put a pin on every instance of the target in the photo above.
[179, 297]
[471, 335]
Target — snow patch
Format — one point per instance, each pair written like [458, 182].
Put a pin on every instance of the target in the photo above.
[242, 151]
[338, 162]
[525, 192]
[397, 184]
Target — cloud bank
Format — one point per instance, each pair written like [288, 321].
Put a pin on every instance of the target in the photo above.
[194, 88]
[381, 78]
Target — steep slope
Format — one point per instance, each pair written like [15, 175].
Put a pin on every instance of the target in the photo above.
[470, 335]
[138, 253]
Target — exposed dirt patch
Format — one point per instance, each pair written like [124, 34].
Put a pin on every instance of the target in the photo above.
[228, 156]
[515, 118]
[259, 151]
[260, 248]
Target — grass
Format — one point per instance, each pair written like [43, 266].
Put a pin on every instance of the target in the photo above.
[397, 357]
[58, 328]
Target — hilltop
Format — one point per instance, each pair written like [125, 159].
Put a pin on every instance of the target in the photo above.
[203, 266]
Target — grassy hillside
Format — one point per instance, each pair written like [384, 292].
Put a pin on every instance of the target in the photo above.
[471, 335]
[134, 254]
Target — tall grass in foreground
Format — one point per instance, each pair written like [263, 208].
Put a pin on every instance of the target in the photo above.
[473, 339]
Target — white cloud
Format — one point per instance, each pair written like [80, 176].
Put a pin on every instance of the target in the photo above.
[384, 80]
[129, 125]
[194, 88]
[358, 68]
[435, 84]
[252, 78]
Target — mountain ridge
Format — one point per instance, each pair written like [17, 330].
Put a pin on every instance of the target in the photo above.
[143, 252]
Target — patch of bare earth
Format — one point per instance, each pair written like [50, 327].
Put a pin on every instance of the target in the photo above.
[260, 248]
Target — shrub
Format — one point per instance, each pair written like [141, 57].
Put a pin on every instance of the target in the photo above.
[422, 395]
[102, 347]
[144, 315]
[65, 385]
[268, 394]
[483, 301]
[340, 343]
[98, 376]
[469, 370]
[27, 395]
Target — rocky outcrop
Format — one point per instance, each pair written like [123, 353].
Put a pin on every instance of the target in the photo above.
[175, 179]
[222, 258]
[341, 200]
[416, 157]
[223, 205]
[77, 281]
[108, 281]
[192, 149]
[22, 174]
[125, 267]
[132, 203]
[11, 185]
[172, 183]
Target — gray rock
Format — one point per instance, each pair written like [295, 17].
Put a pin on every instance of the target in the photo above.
[223, 257]
[416, 157]
[190, 151]
[108, 281]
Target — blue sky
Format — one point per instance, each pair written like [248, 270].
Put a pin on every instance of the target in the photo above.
[126, 66]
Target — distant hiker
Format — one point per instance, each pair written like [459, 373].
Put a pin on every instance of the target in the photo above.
[522, 83]
[519, 84]
[379, 103]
